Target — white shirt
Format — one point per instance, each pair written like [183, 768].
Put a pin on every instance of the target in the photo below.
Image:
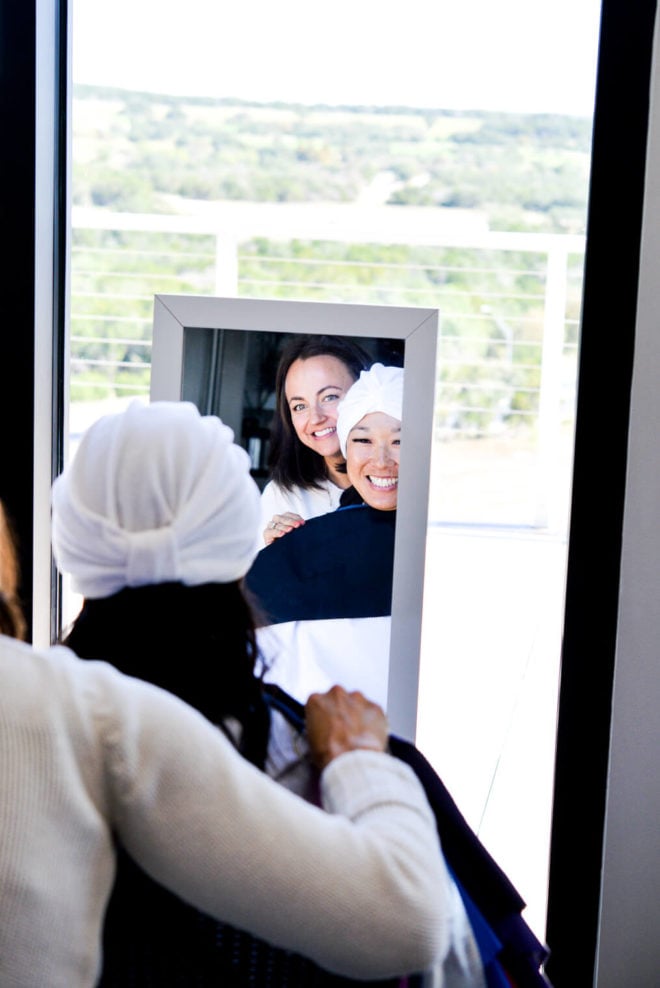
[306, 502]
[306, 657]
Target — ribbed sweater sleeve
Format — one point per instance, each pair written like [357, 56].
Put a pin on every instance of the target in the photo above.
[360, 889]
[87, 754]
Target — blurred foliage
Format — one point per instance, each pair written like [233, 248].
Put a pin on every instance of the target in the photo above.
[134, 151]
[137, 152]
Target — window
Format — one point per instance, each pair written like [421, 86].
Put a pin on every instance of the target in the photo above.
[385, 160]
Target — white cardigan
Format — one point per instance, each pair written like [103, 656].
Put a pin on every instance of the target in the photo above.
[85, 752]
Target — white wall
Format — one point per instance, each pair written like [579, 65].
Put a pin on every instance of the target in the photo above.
[629, 942]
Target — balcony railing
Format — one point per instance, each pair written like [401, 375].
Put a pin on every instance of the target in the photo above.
[509, 302]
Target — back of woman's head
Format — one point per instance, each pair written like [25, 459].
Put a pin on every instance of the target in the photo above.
[155, 519]
[291, 463]
[12, 620]
[155, 494]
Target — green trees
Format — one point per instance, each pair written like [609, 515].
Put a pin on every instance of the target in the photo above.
[532, 169]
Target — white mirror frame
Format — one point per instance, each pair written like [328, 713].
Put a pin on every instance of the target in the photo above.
[418, 329]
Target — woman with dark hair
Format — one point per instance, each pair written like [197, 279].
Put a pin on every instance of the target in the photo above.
[155, 520]
[327, 588]
[308, 472]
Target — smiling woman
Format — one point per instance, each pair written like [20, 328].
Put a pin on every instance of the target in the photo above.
[369, 430]
[307, 465]
[327, 588]
[373, 460]
[446, 61]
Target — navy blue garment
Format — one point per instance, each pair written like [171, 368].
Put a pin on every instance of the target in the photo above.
[493, 904]
[490, 947]
[338, 565]
[522, 955]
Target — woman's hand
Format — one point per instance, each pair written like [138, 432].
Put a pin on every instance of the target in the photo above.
[280, 525]
[338, 721]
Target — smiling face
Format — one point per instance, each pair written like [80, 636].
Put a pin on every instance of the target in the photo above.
[372, 459]
[313, 388]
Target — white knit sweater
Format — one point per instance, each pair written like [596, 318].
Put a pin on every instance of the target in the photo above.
[85, 752]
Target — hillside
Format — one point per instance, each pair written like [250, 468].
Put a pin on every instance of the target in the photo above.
[139, 152]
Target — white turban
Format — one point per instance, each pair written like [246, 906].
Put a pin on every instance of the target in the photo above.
[379, 389]
[155, 494]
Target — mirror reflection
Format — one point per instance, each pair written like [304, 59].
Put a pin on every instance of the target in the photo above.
[233, 373]
[223, 355]
[320, 416]
[325, 584]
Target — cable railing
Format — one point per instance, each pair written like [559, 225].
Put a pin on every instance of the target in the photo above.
[509, 302]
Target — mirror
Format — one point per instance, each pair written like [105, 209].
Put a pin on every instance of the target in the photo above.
[218, 352]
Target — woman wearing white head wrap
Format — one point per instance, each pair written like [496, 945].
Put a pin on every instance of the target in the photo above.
[156, 521]
[369, 430]
[157, 494]
[379, 389]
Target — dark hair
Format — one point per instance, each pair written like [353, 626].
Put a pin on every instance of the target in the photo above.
[197, 642]
[12, 619]
[291, 463]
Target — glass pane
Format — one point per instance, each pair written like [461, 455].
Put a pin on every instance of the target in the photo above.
[426, 154]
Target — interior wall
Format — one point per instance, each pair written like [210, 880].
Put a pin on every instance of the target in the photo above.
[629, 941]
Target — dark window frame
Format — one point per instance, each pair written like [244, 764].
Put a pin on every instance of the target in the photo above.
[609, 309]
[35, 227]
[604, 385]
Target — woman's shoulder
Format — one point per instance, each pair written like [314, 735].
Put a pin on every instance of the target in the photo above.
[307, 502]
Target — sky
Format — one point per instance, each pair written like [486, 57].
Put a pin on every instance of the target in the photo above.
[509, 55]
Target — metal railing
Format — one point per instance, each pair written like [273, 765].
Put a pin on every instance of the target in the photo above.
[509, 302]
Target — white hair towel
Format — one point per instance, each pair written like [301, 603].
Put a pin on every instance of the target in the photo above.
[155, 494]
[379, 389]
